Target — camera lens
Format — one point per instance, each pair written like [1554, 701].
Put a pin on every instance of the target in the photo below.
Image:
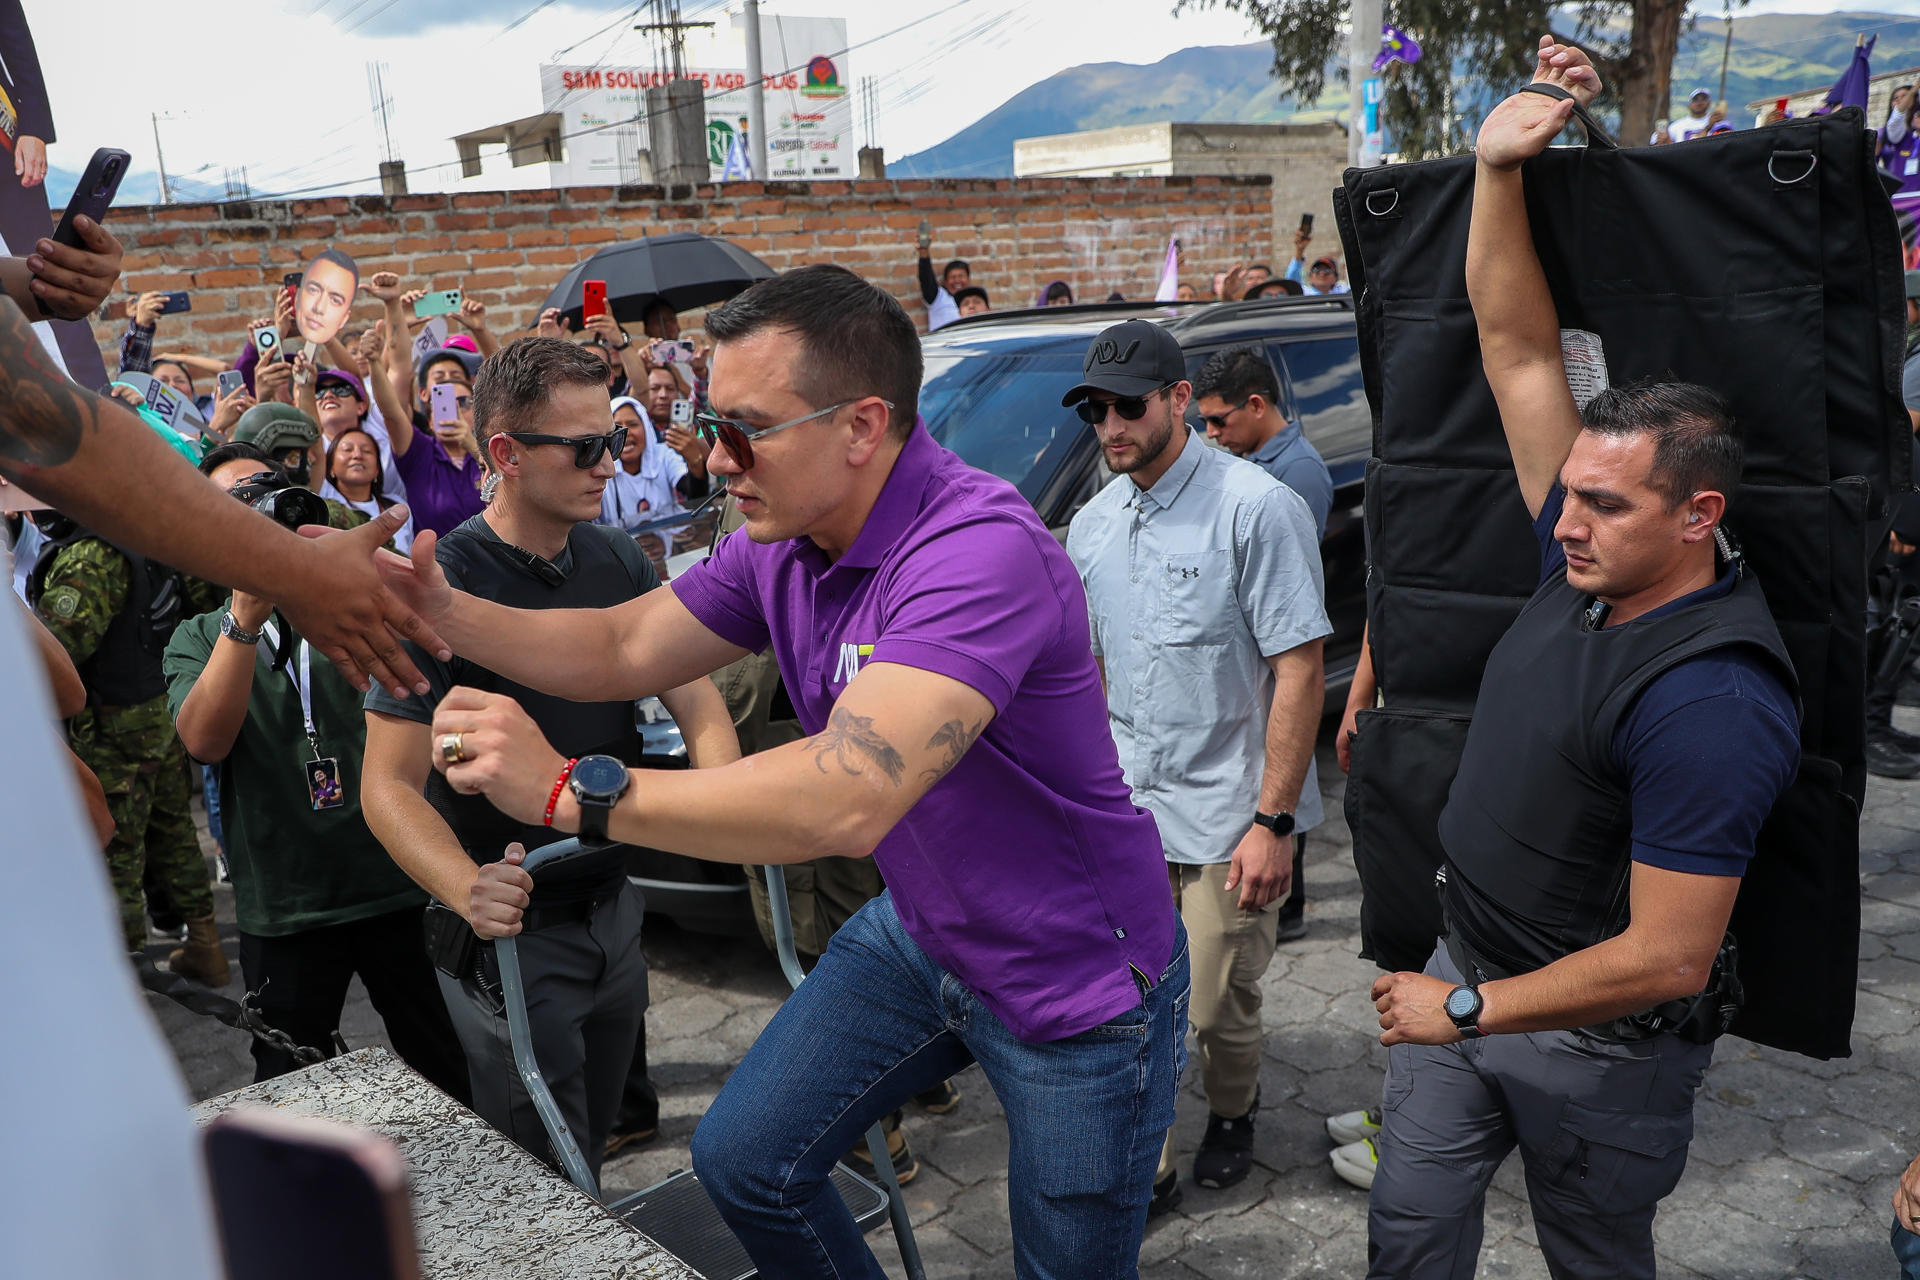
[292, 507]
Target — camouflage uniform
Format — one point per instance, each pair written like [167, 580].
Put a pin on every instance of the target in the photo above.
[132, 749]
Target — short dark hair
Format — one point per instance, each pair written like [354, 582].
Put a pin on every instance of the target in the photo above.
[519, 377]
[1235, 374]
[1261, 266]
[220, 456]
[379, 468]
[961, 263]
[1058, 289]
[442, 357]
[339, 258]
[972, 291]
[855, 340]
[1696, 444]
[160, 360]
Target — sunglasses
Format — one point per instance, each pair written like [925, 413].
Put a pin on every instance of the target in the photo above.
[587, 450]
[1132, 408]
[326, 394]
[738, 437]
[1218, 421]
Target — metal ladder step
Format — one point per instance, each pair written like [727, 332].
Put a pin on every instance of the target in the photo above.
[677, 1215]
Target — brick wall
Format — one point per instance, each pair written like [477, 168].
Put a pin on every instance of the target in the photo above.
[509, 248]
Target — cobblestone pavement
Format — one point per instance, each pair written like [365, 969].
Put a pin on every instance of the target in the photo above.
[1792, 1169]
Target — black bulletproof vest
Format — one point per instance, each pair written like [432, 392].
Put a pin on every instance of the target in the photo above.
[126, 668]
[1538, 825]
[598, 579]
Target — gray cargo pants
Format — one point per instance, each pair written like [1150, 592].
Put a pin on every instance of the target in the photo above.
[586, 985]
[1602, 1127]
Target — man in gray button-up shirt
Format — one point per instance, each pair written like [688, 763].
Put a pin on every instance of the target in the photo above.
[1204, 587]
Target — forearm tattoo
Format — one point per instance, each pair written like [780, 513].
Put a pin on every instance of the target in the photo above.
[954, 738]
[850, 741]
[43, 414]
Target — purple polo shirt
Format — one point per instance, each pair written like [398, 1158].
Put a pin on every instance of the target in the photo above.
[1027, 872]
[440, 495]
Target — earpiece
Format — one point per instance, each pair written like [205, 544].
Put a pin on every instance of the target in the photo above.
[1693, 519]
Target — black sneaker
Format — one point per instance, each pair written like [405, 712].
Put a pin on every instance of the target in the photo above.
[905, 1167]
[940, 1099]
[1166, 1195]
[1900, 738]
[1884, 760]
[1226, 1153]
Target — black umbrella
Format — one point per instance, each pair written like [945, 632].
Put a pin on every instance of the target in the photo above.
[683, 270]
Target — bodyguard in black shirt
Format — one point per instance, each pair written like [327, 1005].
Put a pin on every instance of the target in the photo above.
[541, 414]
[1633, 729]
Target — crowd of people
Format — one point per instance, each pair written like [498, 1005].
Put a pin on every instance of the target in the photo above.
[1052, 802]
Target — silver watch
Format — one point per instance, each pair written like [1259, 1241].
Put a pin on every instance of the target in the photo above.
[232, 630]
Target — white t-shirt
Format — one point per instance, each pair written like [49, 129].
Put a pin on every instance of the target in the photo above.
[1686, 127]
[390, 479]
[81, 1058]
[631, 501]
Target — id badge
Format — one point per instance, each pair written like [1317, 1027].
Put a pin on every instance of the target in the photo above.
[323, 783]
[1913, 165]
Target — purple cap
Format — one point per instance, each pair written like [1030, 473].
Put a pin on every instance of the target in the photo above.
[344, 377]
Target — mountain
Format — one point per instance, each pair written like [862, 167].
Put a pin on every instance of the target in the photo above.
[1772, 54]
[138, 187]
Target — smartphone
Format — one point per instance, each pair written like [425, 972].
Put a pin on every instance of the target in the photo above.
[676, 351]
[291, 281]
[593, 298]
[176, 302]
[445, 401]
[266, 340]
[926, 235]
[1306, 224]
[94, 194]
[438, 303]
[681, 414]
[298, 1198]
[230, 381]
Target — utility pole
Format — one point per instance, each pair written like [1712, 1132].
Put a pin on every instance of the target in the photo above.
[756, 95]
[676, 110]
[1363, 42]
[160, 161]
[1726, 53]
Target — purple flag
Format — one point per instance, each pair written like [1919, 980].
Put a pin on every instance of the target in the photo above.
[1395, 46]
[1850, 90]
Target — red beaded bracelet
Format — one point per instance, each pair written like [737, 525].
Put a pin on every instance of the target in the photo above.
[558, 786]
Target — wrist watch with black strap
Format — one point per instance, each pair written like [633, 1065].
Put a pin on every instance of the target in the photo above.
[1281, 824]
[1464, 1004]
[597, 783]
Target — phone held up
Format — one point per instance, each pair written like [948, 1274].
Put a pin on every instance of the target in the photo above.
[177, 301]
[299, 1198]
[438, 303]
[266, 340]
[230, 381]
[1306, 224]
[681, 415]
[93, 196]
[445, 402]
[593, 299]
[676, 351]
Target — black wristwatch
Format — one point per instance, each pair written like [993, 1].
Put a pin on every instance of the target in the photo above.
[231, 629]
[1463, 1006]
[597, 782]
[1281, 824]
[626, 340]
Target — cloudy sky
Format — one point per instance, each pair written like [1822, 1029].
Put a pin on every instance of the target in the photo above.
[279, 87]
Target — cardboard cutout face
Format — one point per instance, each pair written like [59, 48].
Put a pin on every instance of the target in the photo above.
[326, 296]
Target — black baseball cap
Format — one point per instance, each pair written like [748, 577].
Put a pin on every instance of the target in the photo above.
[1132, 358]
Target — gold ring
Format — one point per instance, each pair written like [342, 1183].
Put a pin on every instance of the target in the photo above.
[450, 749]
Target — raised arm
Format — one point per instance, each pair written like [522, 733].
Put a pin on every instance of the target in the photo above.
[396, 369]
[1519, 331]
[391, 402]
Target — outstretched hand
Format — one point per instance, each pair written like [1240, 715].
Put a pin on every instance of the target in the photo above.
[343, 605]
[1526, 124]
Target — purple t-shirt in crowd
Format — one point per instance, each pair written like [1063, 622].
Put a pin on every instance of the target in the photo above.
[440, 495]
[1027, 872]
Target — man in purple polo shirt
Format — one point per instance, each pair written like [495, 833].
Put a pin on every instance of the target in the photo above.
[933, 636]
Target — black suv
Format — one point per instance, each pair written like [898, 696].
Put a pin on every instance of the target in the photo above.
[992, 395]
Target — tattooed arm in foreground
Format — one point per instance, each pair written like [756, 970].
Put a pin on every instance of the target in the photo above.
[893, 734]
[94, 460]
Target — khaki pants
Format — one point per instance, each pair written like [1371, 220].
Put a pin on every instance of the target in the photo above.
[1230, 950]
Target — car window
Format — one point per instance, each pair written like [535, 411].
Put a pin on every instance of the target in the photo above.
[1329, 398]
[1000, 409]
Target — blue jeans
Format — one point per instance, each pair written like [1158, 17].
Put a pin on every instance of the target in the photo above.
[877, 1022]
[1906, 1251]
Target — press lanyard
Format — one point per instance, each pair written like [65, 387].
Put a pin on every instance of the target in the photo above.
[302, 684]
